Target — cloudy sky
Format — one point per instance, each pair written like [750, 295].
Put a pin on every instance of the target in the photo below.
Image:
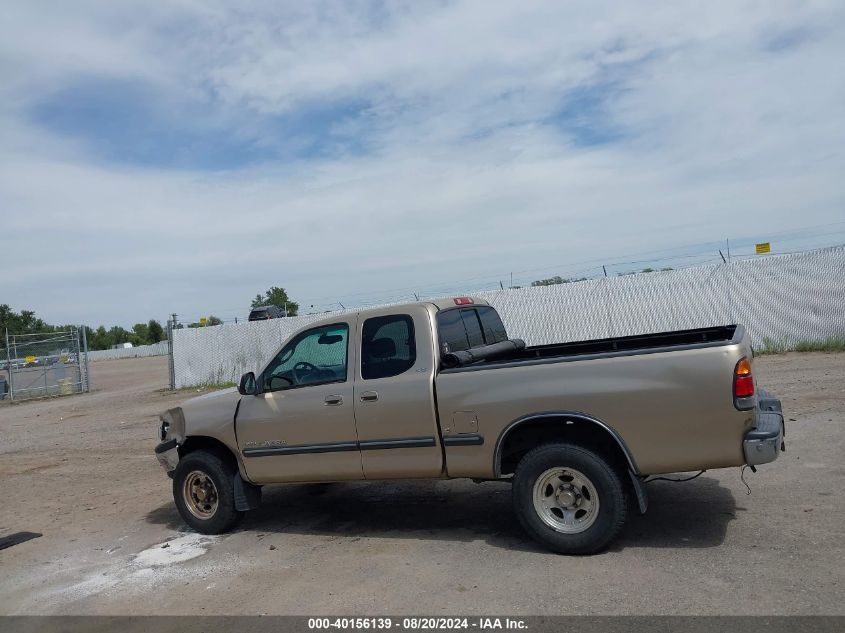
[182, 156]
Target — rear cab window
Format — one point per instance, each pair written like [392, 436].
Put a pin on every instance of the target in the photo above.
[461, 329]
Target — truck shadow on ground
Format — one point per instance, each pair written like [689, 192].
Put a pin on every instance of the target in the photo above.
[680, 515]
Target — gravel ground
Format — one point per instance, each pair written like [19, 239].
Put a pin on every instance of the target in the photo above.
[80, 470]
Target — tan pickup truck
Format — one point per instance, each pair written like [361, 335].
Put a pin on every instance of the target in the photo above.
[436, 389]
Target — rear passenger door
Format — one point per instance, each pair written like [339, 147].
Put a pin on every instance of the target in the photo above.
[394, 396]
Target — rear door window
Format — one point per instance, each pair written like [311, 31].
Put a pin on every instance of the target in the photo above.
[388, 347]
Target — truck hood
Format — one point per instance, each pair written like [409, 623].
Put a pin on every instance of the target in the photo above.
[211, 414]
[214, 395]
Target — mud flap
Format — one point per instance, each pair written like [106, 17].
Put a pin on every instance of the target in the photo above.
[247, 495]
[639, 490]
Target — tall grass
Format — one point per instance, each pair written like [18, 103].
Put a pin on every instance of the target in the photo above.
[834, 343]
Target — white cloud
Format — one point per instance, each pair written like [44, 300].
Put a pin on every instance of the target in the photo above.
[727, 120]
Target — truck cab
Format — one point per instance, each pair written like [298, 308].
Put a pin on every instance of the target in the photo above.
[352, 398]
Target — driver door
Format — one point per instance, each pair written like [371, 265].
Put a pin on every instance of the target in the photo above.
[301, 424]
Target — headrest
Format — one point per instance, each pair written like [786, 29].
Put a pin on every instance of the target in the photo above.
[381, 348]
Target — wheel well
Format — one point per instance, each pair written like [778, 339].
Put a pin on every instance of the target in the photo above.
[574, 430]
[210, 444]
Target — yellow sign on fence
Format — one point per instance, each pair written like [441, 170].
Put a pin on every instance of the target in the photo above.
[29, 359]
[763, 247]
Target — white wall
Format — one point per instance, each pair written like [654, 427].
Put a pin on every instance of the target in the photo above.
[787, 298]
[156, 349]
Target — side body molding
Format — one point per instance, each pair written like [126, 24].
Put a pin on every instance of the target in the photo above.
[565, 416]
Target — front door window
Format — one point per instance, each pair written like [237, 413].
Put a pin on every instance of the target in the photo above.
[314, 357]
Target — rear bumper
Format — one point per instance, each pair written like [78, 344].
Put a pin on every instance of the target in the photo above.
[763, 443]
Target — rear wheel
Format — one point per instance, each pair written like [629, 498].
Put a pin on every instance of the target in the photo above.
[569, 498]
[203, 489]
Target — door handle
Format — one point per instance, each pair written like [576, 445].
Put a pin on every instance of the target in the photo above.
[369, 396]
[333, 401]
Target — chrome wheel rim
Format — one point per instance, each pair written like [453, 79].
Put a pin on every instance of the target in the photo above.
[200, 494]
[566, 500]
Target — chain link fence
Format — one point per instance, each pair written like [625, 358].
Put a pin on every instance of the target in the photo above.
[786, 299]
[42, 365]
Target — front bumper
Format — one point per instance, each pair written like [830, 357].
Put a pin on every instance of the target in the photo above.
[763, 443]
[167, 454]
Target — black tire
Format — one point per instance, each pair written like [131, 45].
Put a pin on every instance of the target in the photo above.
[222, 474]
[611, 509]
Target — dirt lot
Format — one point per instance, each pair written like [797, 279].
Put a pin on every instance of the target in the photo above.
[80, 469]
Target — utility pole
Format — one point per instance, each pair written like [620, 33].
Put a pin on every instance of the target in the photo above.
[604, 269]
[728, 245]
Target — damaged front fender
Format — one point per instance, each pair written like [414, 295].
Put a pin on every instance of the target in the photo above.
[171, 432]
[167, 454]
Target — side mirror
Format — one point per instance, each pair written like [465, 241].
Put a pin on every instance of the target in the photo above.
[247, 385]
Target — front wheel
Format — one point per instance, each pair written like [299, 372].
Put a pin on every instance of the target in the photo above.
[203, 489]
[569, 498]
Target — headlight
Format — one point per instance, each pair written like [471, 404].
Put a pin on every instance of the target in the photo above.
[172, 425]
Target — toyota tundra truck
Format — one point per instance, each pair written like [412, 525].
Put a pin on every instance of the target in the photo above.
[437, 390]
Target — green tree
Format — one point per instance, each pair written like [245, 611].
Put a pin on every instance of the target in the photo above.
[557, 279]
[142, 334]
[155, 332]
[276, 296]
[25, 322]
[100, 339]
[118, 335]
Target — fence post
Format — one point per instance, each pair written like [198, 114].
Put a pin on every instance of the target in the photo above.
[9, 361]
[171, 326]
[45, 370]
[85, 353]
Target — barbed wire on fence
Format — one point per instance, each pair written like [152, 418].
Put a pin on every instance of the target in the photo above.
[677, 257]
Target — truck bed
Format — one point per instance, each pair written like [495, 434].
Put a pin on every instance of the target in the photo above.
[618, 346]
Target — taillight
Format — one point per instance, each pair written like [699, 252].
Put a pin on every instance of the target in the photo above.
[743, 381]
[463, 301]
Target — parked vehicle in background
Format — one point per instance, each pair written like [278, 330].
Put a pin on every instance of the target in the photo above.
[437, 389]
[262, 313]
